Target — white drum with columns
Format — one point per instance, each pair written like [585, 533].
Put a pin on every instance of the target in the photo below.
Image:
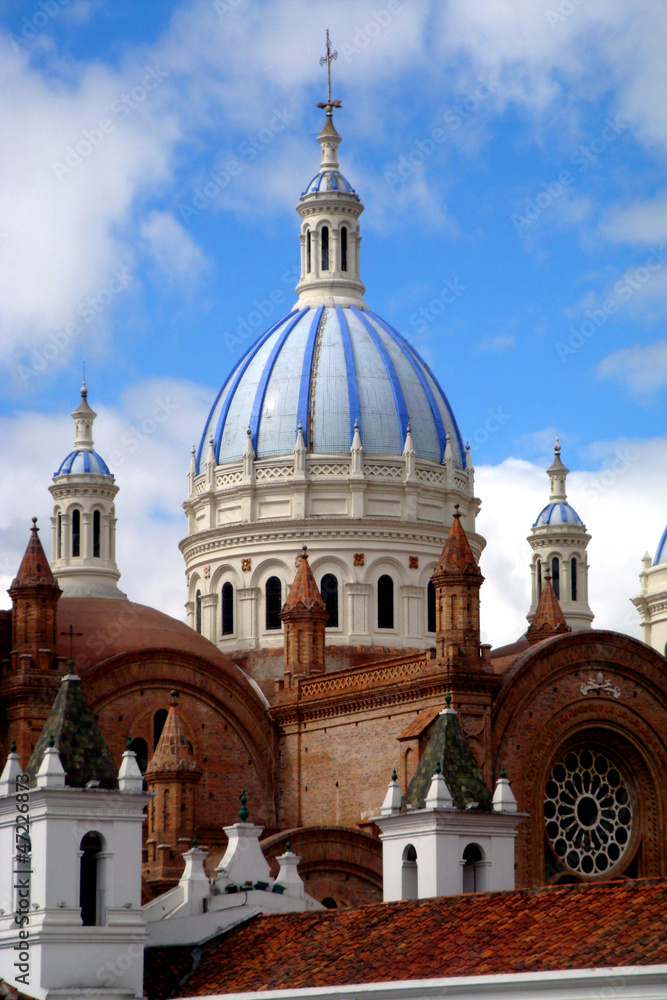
[559, 541]
[332, 432]
[84, 516]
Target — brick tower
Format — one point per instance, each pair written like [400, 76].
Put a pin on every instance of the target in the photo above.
[548, 619]
[457, 580]
[172, 775]
[304, 615]
[29, 679]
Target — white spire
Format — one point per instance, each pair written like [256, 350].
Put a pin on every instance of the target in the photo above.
[330, 210]
[84, 517]
[84, 417]
[356, 454]
[557, 473]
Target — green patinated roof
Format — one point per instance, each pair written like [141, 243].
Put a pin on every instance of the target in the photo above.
[83, 753]
[449, 746]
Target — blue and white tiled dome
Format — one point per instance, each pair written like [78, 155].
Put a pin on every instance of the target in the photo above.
[329, 180]
[83, 460]
[661, 552]
[558, 513]
[325, 368]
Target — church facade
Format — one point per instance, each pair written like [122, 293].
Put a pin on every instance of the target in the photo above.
[334, 597]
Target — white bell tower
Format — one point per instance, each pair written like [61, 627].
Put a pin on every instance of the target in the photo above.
[559, 541]
[84, 517]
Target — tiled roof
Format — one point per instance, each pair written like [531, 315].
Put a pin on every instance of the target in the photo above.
[449, 746]
[81, 747]
[10, 993]
[531, 930]
[549, 619]
[173, 753]
[34, 569]
[457, 556]
[303, 592]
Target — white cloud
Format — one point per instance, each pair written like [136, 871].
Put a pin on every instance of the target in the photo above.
[146, 442]
[174, 250]
[499, 342]
[640, 369]
[622, 503]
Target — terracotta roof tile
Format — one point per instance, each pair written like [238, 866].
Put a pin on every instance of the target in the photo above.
[553, 928]
[304, 593]
[457, 556]
[549, 619]
[34, 569]
[173, 752]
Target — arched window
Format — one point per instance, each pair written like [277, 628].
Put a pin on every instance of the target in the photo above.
[330, 903]
[308, 252]
[59, 536]
[555, 576]
[329, 591]
[325, 248]
[273, 599]
[76, 532]
[472, 856]
[91, 891]
[573, 578]
[227, 609]
[385, 602]
[96, 533]
[539, 578]
[198, 611]
[140, 748]
[159, 720]
[409, 883]
[343, 248]
[430, 607]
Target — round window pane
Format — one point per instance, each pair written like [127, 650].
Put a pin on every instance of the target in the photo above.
[591, 826]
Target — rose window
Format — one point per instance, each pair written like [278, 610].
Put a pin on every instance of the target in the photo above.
[588, 812]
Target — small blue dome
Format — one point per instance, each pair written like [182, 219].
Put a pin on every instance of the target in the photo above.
[661, 552]
[83, 460]
[329, 180]
[325, 368]
[558, 513]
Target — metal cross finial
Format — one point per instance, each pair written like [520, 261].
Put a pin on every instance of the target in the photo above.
[71, 633]
[328, 59]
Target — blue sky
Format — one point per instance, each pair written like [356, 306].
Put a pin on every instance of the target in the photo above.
[511, 160]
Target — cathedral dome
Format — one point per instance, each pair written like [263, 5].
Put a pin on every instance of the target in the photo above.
[557, 513]
[325, 369]
[661, 551]
[83, 460]
[329, 180]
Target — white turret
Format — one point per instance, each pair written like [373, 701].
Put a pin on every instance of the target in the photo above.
[651, 602]
[330, 210]
[84, 517]
[559, 541]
